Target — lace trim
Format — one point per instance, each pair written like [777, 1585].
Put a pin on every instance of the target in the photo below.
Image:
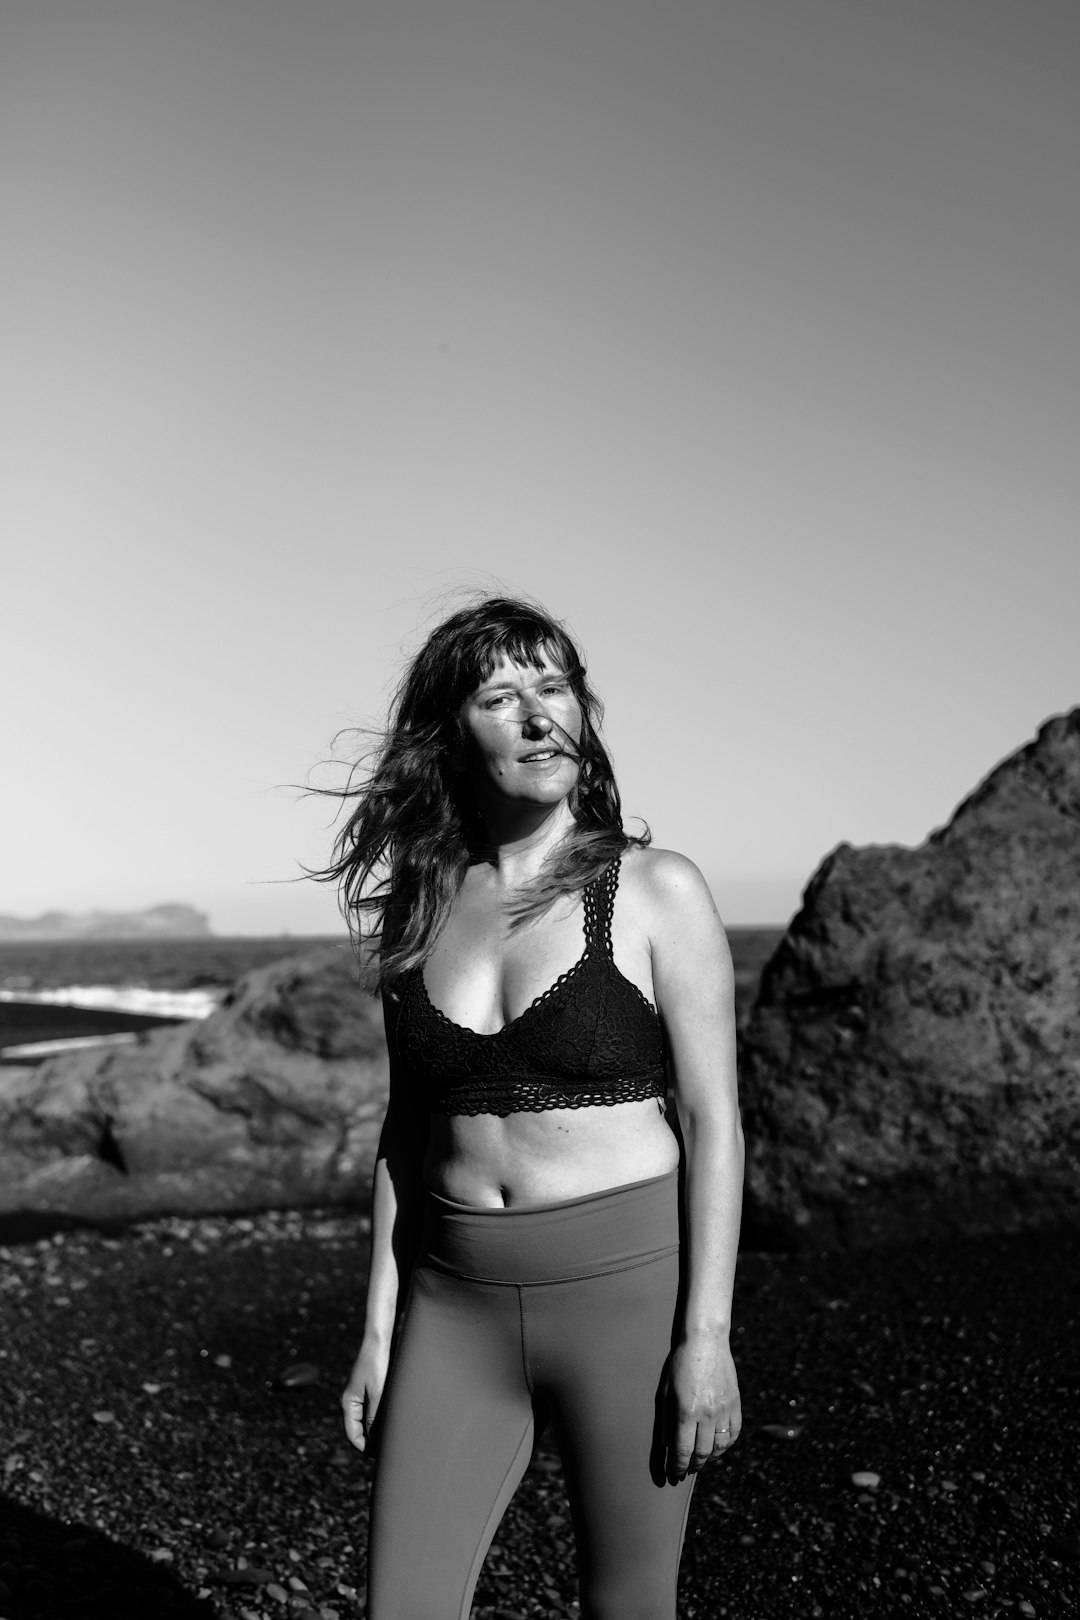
[538, 1001]
[609, 883]
[524, 1097]
[597, 930]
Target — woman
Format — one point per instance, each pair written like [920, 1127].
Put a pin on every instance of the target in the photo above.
[543, 974]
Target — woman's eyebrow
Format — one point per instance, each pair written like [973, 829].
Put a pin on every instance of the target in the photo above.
[542, 677]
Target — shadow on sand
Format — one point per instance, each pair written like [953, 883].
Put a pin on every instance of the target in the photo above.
[50, 1570]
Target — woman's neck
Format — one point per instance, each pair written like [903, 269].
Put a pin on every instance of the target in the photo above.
[517, 845]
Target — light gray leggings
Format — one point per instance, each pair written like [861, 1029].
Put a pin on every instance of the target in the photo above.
[560, 1311]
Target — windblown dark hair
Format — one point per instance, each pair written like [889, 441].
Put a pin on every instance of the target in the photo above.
[413, 831]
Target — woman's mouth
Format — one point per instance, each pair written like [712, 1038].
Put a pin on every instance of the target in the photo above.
[539, 756]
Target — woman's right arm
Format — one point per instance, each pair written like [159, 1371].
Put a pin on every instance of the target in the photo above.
[396, 1206]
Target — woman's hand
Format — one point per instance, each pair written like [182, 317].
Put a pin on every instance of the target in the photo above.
[702, 1410]
[361, 1396]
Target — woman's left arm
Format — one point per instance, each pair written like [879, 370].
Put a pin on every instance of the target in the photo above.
[694, 986]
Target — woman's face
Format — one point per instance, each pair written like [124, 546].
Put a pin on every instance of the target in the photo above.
[522, 730]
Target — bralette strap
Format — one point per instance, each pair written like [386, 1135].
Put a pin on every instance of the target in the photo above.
[599, 900]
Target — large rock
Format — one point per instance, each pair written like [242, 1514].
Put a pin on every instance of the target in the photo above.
[912, 1064]
[275, 1100]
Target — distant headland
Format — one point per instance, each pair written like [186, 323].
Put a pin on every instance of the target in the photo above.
[168, 921]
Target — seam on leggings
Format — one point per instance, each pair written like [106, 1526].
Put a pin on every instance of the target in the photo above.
[498, 1509]
[524, 1340]
[549, 1282]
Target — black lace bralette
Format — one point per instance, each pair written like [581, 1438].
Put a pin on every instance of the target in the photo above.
[592, 1040]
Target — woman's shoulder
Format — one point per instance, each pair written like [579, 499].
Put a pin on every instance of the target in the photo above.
[662, 878]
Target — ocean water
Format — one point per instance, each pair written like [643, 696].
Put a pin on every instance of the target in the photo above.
[55, 996]
[160, 964]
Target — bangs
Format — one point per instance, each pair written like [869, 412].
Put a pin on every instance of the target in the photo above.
[527, 645]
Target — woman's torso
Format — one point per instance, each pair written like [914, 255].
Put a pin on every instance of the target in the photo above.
[490, 999]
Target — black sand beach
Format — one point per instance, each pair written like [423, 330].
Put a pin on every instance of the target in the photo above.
[156, 1464]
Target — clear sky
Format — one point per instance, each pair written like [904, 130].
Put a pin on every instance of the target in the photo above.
[742, 333]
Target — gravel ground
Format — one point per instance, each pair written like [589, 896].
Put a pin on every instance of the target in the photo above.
[171, 1446]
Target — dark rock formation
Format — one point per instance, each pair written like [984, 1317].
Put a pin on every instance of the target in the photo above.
[274, 1100]
[912, 1064]
[169, 921]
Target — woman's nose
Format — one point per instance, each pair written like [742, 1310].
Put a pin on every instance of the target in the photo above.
[536, 723]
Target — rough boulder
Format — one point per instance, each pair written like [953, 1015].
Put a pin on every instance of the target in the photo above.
[911, 1067]
[274, 1100]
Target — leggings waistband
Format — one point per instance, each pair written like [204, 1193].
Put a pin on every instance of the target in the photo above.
[558, 1242]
